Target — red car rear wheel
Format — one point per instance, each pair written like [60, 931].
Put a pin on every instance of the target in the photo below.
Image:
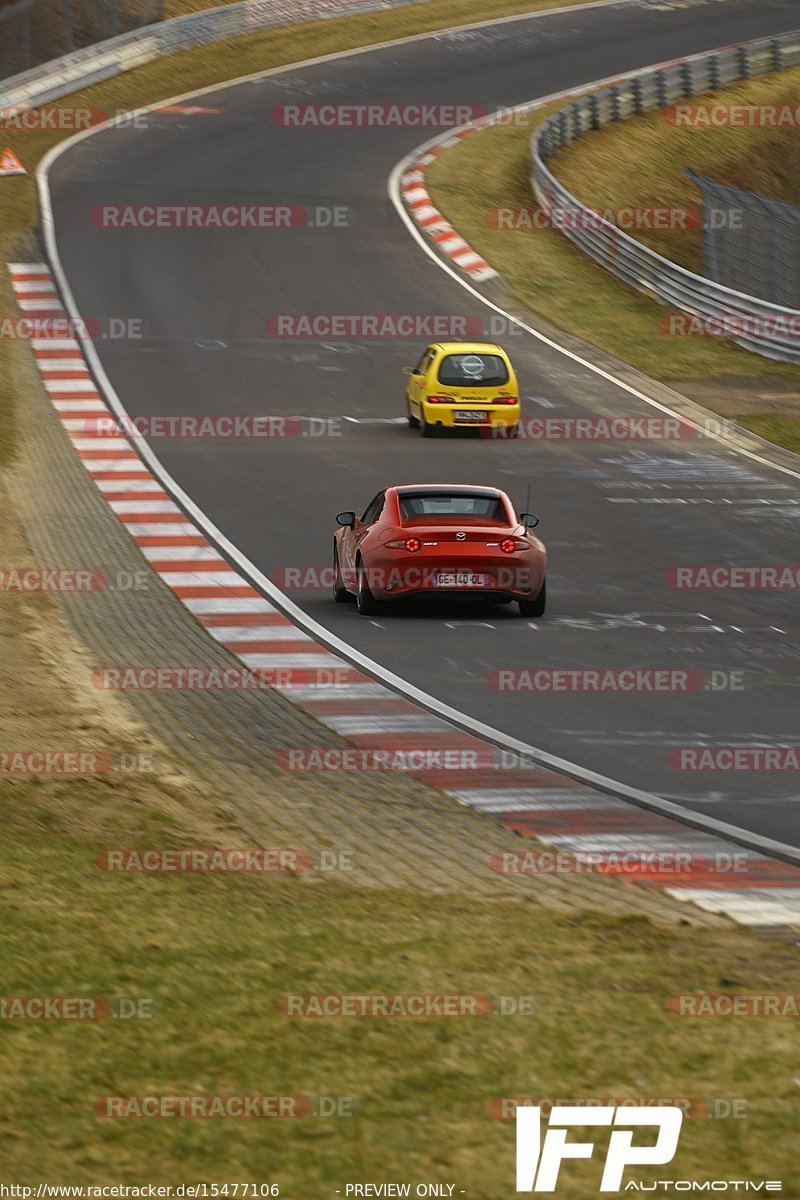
[339, 590]
[367, 604]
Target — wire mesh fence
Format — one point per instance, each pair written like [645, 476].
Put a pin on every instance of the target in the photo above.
[36, 31]
[750, 243]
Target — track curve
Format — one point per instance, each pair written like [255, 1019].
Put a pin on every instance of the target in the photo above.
[204, 297]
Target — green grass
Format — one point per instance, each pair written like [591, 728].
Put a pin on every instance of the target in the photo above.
[216, 953]
[785, 431]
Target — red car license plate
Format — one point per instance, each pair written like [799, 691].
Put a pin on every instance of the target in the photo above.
[461, 579]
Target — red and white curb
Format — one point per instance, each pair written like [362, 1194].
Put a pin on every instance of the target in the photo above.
[572, 818]
[430, 220]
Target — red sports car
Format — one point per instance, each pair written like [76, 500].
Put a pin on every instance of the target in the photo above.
[439, 538]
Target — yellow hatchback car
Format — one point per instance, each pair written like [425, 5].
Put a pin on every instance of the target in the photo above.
[461, 385]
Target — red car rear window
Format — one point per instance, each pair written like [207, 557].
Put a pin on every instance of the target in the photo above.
[443, 504]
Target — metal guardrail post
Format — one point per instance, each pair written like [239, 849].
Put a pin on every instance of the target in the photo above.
[688, 82]
[744, 62]
[714, 71]
[661, 88]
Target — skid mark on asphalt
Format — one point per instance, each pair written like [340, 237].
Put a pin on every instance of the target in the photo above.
[603, 833]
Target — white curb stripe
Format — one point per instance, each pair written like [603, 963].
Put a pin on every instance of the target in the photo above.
[234, 634]
[140, 507]
[229, 604]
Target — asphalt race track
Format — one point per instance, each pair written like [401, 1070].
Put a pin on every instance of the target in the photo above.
[616, 517]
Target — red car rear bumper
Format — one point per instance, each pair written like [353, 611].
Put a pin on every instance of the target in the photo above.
[394, 574]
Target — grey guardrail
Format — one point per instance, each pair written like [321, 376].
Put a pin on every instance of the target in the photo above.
[111, 57]
[765, 328]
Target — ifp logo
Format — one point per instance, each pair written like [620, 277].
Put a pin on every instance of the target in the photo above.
[538, 1162]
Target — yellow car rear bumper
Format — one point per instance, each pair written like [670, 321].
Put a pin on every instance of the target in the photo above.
[499, 416]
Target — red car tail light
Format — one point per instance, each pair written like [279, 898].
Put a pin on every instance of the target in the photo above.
[507, 400]
[439, 399]
[508, 545]
[412, 544]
